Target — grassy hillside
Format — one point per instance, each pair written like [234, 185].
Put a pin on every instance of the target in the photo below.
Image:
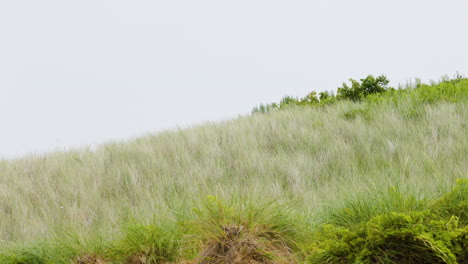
[279, 182]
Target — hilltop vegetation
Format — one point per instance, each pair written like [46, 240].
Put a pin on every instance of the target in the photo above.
[373, 88]
[372, 174]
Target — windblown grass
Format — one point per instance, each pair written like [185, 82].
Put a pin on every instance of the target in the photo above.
[145, 201]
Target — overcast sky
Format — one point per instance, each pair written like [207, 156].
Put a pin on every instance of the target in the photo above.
[76, 73]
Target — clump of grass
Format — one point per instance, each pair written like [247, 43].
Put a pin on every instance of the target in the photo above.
[159, 242]
[361, 208]
[455, 202]
[24, 255]
[244, 233]
[69, 246]
[238, 244]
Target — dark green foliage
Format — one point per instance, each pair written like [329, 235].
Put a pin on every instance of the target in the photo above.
[360, 90]
[353, 114]
[325, 96]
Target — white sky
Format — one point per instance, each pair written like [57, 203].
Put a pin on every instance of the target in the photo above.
[76, 73]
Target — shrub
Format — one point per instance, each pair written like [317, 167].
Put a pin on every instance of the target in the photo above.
[360, 90]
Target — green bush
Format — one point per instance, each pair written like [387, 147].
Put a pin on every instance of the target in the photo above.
[360, 90]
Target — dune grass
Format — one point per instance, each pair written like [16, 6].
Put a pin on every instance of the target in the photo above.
[262, 183]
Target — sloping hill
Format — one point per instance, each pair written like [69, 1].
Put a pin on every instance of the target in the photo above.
[291, 171]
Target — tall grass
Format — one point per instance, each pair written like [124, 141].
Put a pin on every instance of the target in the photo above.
[387, 154]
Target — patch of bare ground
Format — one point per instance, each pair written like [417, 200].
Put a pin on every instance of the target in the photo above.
[138, 259]
[90, 259]
[143, 259]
